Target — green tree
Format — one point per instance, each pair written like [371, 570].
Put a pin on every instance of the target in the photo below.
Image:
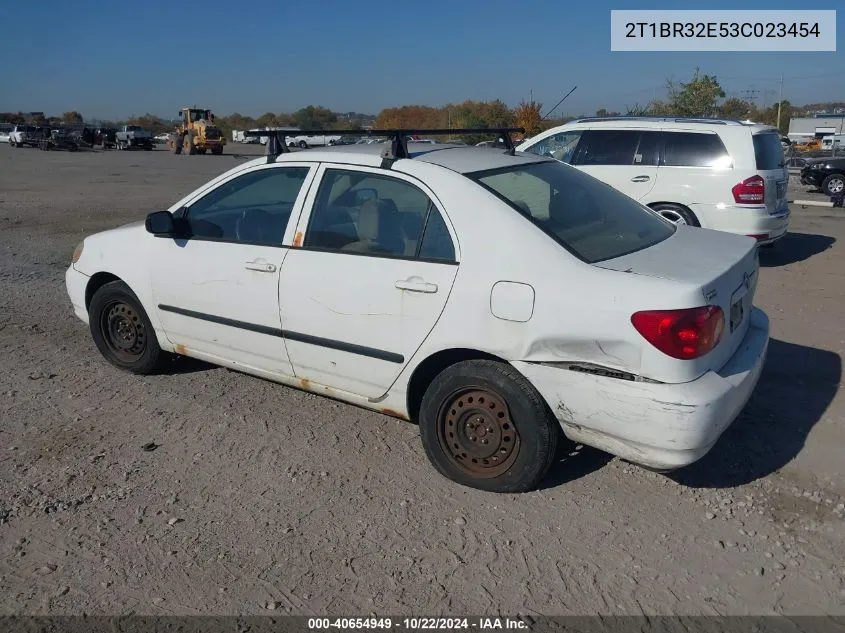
[314, 118]
[734, 108]
[695, 98]
[72, 117]
[15, 118]
[603, 112]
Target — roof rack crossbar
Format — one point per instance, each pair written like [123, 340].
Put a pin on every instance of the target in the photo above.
[398, 138]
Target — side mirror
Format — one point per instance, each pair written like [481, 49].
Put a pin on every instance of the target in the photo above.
[160, 223]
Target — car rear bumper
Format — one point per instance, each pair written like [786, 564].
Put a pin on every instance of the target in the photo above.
[657, 425]
[758, 222]
[76, 283]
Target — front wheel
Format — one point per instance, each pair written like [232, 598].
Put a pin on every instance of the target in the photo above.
[483, 425]
[122, 331]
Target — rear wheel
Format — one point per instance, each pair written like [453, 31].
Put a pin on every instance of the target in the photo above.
[303, 145]
[676, 214]
[217, 151]
[834, 184]
[122, 331]
[484, 425]
[188, 146]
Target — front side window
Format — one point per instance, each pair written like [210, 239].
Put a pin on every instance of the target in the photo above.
[607, 147]
[360, 212]
[591, 219]
[560, 146]
[694, 149]
[253, 208]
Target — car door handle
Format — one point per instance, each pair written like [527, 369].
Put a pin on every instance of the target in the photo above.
[262, 267]
[640, 179]
[415, 284]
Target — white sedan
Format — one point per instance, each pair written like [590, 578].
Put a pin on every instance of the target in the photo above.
[501, 301]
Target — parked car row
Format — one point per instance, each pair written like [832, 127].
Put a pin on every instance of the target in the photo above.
[603, 314]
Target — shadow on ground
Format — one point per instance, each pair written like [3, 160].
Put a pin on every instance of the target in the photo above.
[572, 462]
[185, 365]
[795, 247]
[797, 386]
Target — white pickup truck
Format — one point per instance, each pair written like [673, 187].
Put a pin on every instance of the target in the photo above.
[24, 135]
[133, 137]
[315, 140]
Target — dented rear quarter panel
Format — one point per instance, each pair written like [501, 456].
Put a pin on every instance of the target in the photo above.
[581, 312]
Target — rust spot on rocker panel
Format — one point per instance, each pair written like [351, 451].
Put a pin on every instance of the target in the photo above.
[394, 414]
[305, 383]
[181, 349]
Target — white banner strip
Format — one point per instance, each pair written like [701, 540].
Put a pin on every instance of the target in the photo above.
[713, 30]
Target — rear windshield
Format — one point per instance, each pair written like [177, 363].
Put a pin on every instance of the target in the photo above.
[591, 219]
[768, 151]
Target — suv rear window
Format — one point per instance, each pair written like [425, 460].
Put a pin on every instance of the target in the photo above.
[694, 149]
[589, 218]
[768, 151]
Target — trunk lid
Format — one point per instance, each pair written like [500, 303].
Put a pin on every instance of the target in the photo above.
[708, 268]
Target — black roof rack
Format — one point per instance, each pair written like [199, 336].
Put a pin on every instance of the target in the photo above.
[397, 146]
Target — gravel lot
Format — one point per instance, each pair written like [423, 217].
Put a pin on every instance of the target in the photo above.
[260, 498]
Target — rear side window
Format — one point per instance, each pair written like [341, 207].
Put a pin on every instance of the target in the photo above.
[694, 149]
[607, 147]
[768, 151]
[591, 219]
[364, 213]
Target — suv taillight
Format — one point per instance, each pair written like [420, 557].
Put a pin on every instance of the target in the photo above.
[683, 334]
[750, 190]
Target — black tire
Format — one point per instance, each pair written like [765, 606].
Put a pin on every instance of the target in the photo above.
[303, 145]
[676, 213]
[834, 185]
[483, 425]
[122, 331]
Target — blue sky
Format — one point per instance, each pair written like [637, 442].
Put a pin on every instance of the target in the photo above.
[113, 59]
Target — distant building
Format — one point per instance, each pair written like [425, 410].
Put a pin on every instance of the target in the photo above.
[818, 126]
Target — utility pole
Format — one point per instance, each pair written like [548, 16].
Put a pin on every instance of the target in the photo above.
[780, 99]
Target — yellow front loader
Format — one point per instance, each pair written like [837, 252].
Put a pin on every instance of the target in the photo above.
[196, 133]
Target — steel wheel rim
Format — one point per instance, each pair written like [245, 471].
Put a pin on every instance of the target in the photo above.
[673, 216]
[836, 185]
[124, 331]
[476, 432]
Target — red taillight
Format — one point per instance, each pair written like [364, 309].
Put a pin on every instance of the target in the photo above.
[750, 190]
[683, 334]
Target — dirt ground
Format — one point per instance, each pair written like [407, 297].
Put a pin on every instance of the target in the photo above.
[260, 498]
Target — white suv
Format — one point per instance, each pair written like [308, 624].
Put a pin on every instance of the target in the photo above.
[712, 173]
